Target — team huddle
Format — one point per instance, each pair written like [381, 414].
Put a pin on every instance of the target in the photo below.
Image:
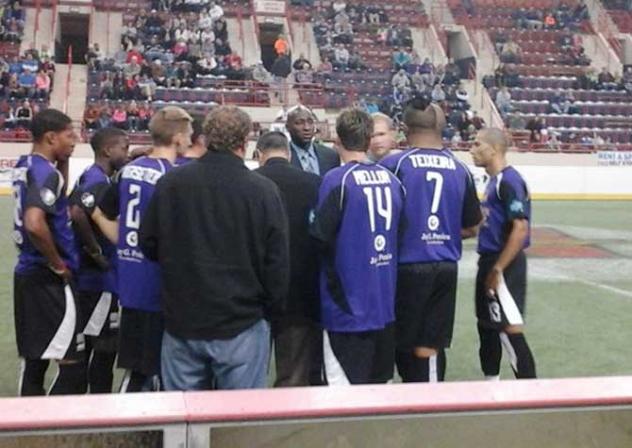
[183, 267]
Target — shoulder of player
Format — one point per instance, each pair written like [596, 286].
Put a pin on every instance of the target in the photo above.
[510, 177]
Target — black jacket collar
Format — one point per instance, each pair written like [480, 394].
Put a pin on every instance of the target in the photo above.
[225, 158]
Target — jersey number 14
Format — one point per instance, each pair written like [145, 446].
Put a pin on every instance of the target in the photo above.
[380, 201]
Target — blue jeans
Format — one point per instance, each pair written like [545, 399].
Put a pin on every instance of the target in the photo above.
[199, 364]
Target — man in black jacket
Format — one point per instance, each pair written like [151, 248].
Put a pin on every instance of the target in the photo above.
[305, 154]
[219, 232]
[296, 332]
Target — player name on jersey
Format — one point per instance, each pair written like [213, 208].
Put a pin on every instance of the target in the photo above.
[363, 177]
[432, 161]
[141, 174]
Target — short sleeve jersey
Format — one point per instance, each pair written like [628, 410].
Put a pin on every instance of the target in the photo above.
[440, 200]
[37, 183]
[356, 221]
[506, 198]
[128, 198]
[89, 191]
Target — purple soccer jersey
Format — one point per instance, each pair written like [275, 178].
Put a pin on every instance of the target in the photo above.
[87, 193]
[138, 277]
[440, 201]
[506, 198]
[357, 222]
[37, 183]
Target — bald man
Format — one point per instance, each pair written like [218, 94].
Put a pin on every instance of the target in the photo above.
[441, 208]
[306, 154]
[383, 139]
[502, 267]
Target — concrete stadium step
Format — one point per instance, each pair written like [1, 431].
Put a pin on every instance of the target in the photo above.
[44, 33]
[75, 104]
[106, 30]
[246, 45]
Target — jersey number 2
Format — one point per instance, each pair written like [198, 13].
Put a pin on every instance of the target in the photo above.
[132, 215]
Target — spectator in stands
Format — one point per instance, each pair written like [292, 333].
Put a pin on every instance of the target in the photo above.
[418, 81]
[132, 68]
[222, 47]
[438, 94]
[343, 32]
[462, 97]
[134, 55]
[220, 28]
[260, 74]
[216, 12]
[24, 115]
[42, 85]
[27, 83]
[282, 66]
[401, 59]
[94, 57]
[535, 126]
[147, 86]
[325, 69]
[302, 63]
[535, 19]
[133, 122]
[503, 101]
[14, 86]
[30, 63]
[550, 21]
[605, 80]
[400, 80]
[90, 116]
[511, 52]
[281, 45]
[627, 80]
[477, 121]
[341, 56]
[452, 73]
[119, 117]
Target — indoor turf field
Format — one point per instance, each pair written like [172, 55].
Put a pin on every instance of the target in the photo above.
[579, 297]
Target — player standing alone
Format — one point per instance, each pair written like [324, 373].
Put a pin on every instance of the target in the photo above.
[501, 283]
[356, 223]
[96, 277]
[441, 207]
[44, 303]
[141, 326]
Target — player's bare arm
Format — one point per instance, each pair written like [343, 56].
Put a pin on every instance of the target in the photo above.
[108, 227]
[515, 243]
[87, 238]
[469, 232]
[40, 235]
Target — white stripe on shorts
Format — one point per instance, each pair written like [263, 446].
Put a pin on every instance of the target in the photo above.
[508, 303]
[513, 358]
[334, 373]
[99, 315]
[433, 376]
[65, 334]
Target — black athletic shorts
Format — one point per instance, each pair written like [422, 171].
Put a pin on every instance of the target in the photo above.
[99, 319]
[140, 341]
[508, 306]
[46, 317]
[425, 304]
[365, 357]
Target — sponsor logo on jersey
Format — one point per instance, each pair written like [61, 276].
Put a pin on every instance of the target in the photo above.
[48, 196]
[87, 199]
[516, 206]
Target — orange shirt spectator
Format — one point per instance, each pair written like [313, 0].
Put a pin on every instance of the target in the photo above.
[549, 21]
[281, 46]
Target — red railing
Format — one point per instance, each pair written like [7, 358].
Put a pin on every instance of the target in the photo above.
[68, 79]
[38, 6]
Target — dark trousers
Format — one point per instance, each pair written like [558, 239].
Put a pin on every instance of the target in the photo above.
[297, 351]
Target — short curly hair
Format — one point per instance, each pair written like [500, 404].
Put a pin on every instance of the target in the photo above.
[226, 128]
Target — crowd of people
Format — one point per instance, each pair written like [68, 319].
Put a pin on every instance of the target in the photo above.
[12, 19]
[563, 17]
[129, 116]
[25, 86]
[209, 261]
[168, 48]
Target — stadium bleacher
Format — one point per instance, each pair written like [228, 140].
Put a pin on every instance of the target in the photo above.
[551, 65]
